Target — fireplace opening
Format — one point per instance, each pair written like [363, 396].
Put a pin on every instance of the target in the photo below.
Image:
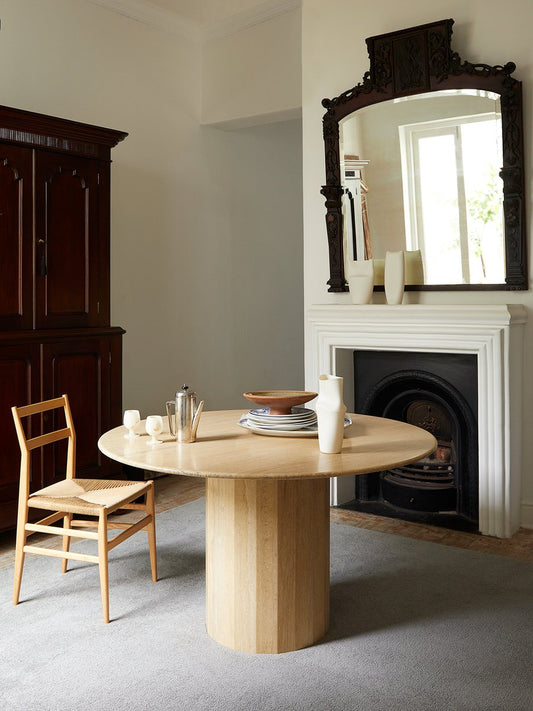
[438, 392]
[427, 485]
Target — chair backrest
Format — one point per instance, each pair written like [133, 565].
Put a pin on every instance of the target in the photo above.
[28, 444]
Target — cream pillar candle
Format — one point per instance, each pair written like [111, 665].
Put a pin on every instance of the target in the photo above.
[361, 281]
[379, 271]
[414, 267]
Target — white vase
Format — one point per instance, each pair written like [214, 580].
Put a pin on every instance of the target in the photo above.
[379, 271]
[394, 277]
[330, 410]
[361, 281]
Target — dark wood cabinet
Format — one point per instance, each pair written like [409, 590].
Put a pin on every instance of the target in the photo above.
[55, 333]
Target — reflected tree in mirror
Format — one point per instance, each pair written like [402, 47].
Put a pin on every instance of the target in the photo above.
[426, 155]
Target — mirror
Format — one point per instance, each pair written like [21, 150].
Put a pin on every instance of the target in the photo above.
[425, 155]
[430, 183]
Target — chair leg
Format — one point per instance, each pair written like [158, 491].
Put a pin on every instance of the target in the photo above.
[150, 509]
[102, 563]
[66, 542]
[19, 552]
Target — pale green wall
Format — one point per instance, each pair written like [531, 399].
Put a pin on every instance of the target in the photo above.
[206, 246]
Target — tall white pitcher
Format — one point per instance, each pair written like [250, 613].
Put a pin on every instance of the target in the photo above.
[330, 410]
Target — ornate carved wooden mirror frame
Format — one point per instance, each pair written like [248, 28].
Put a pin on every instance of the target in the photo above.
[414, 61]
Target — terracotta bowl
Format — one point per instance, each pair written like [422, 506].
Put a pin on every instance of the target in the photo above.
[280, 402]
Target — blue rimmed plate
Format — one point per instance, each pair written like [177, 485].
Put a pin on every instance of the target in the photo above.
[310, 431]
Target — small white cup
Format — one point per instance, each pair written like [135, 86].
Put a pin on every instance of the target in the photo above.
[154, 427]
[130, 420]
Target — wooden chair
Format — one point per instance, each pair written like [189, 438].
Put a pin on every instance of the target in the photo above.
[96, 498]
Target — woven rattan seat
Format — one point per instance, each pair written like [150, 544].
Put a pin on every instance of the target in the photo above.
[111, 489]
[97, 498]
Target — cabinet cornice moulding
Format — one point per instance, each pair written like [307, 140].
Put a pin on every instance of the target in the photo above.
[59, 134]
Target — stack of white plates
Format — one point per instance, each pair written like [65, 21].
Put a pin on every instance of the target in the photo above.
[300, 418]
[300, 423]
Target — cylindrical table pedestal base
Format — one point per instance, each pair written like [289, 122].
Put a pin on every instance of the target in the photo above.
[267, 563]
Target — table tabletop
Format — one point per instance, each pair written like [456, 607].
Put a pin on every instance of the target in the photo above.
[224, 449]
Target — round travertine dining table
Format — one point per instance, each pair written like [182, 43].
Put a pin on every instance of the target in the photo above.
[267, 517]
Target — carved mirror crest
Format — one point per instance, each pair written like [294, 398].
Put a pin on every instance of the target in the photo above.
[429, 150]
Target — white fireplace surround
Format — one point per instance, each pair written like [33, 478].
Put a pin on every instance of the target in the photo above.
[494, 333]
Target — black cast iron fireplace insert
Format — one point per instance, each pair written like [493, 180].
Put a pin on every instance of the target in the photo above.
[438, 392]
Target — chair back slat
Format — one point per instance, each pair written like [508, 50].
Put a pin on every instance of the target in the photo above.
[48, 438]
[34, 408]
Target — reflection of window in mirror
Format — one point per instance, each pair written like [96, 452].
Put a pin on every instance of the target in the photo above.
[453, 197]
[432, 164]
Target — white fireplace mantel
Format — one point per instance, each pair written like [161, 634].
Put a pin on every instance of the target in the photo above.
[494, 333]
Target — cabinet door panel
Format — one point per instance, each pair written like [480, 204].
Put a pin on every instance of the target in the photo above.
[79, 368]
[67, 226]
[19, 383]
[16, 294]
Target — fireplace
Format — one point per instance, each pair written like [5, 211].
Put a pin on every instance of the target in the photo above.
[438, 392]
[491, 334]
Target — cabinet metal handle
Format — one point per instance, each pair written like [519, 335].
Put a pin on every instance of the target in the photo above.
[42, 264]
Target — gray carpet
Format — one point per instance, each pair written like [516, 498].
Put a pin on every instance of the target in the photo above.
[415, 626]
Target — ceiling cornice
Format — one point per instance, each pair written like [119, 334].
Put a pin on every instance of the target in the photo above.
[168, 21]
[248, 18]
[156, 17]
